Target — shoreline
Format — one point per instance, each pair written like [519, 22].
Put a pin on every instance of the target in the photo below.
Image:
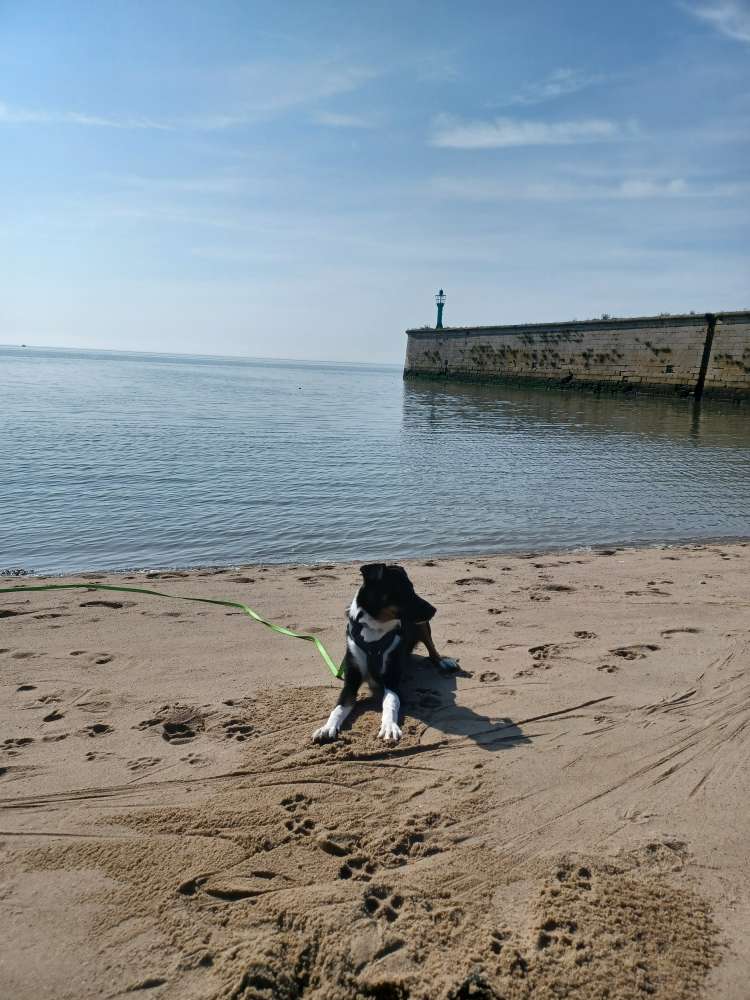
[168, 822]
[20, 573]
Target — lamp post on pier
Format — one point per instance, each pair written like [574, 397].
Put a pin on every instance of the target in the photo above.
[440, 302]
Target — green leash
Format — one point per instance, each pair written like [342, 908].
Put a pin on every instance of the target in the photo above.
[335, 670]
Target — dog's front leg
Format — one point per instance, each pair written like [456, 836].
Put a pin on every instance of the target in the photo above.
[424, 635]
[347, 698]
[389, 728]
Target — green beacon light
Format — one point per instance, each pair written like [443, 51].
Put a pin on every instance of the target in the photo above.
[440, 302]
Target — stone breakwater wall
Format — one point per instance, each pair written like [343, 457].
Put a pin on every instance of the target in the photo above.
[666, 355]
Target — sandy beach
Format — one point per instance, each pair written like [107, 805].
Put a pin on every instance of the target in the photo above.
[566, 817]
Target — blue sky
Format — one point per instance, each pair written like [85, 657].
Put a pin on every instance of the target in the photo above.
[297, 179]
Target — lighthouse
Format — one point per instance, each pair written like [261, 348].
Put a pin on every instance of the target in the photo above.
[440, 302]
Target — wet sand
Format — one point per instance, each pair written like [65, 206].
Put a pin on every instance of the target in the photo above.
[566, 817]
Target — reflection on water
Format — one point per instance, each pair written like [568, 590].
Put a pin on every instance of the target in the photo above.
[110, 460]
[533, 468]
[647, 416]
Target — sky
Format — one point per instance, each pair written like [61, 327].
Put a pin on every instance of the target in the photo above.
[297, 179]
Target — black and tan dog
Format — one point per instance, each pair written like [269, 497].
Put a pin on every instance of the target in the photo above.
[386, 620]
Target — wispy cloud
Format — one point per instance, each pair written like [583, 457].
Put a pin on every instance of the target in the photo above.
[248, 94]
[452, 133]
[264, 90]
[627, 189]
[334, 119]
[558, 84]
[730, 17]
[10, 115]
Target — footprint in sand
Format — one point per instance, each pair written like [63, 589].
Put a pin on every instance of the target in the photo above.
[92, 658]
[585, 635]
[466, 581]
[180, 724]
[298, 824]
[357, 867]
[12, 747]
[97, 729]
[676, 631]
[242, 579]
[177, 733]
[300, 827]
[115, 605]
[237, 729]
[337, 845]
[608, 668]
[47, 699]
[25, 687]
[142, 763]
[488, 676]
[53, 716]
[23, 655]
[497, 941]
[545, 651]
[381, 901]
[636, 652]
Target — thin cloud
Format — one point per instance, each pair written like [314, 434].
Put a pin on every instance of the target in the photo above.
[257, 92]
[561, 83]
[10, 115]
[730, 17]
[627, 189]
[268, 89]
[500, 133]
[333, 119]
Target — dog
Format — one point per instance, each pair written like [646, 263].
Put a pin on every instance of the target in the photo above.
[385, 621]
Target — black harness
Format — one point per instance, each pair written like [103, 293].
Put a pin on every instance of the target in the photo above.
[373, 650]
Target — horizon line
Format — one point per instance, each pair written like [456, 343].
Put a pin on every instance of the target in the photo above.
[185, 354]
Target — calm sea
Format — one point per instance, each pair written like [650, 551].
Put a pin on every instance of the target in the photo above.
[111, 460]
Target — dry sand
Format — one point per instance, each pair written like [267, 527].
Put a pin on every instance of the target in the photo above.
[565, 818]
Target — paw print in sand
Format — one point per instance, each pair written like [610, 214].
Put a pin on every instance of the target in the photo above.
[357, 867]
[379, 903]
[298, 824]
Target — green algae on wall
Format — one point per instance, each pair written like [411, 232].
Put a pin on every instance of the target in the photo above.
[672, 355]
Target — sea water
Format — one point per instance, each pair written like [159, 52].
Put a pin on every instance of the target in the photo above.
[117, 460]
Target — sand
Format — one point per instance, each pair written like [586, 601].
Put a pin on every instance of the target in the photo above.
[566, 817]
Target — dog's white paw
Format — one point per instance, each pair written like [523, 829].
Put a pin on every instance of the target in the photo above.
[390, 731]
[448, 664]
[325, 733]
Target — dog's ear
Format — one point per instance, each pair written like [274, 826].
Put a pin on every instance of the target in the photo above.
[372, 572]
[418, 610]
[411, 604]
